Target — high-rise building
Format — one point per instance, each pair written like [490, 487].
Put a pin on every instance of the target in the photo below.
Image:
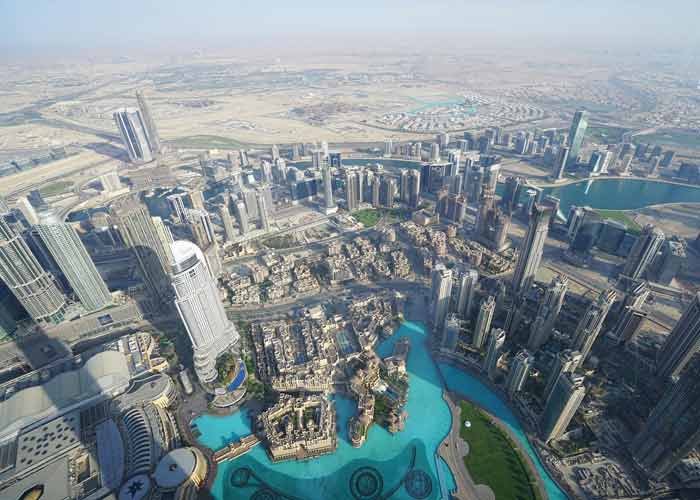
[467, 283]
[560, 163]
[27, 210]
[672, 430]
[566, 397]
[33, 287]
[434, 152]
[151, 131]
[519, 370]
[72, 258]
[628, 324]
[532, 246]
[329, 205]
[388, 148]
[387, 192]
[682, 343]
[450, 334]
[140, 234]
[643, 252]
[440, 292]
[548, 312]
[164, 235]
[576, 134]
[667, 159]
[375, 187]
[591, 323]
[574, 221]
[264, 212]
[227, 222]
[413, 188]
[132, 128]
[491, 172]
[201, 310]
[566, 361]
[318, 159]
[483, 321]
[511, 193]
[352, 197]
[110, 182]
[201, 226]
[251, 203]
[4, 207]
[176, 202]
[494, 349]
[241, 213]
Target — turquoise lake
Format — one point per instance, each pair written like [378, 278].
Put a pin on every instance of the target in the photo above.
[622, 194]
[400, 466]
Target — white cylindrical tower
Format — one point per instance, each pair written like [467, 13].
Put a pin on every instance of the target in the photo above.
[197, 300]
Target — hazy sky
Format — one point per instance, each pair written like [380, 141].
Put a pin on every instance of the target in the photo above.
[45, 26]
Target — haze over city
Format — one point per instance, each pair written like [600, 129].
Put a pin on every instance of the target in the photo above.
[398, 250]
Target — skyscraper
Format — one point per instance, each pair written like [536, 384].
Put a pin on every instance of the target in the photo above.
[567, 395]
[27, 210]
[440, 291]
[151, 131]
[519, 370]
[494, 349]
[682, 343]
[672, 429]
[576, 134]
[72, 258]
[548, 312]
[140, 234]
[33, 287]
[263, 211]
[110, 182]
[164, 236]
[387, 192]
[330, 206]
[4, 207]
[483, 321]
[242, 217]
[227, 222]
[132, 128]
[434, 152]
[376, 185]
[450, 334]
[560, 163]
[467, 282]
[591, 323]
[643, 251]
[531, 247]
[352, 197]
[566, 362]
[403, 185]
[413, 188]
[201, 310]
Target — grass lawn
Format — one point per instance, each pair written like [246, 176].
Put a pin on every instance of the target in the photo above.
[56, 188]
[492, 459]
[367, 217]
[207, 142]
[671, 138]
[621, 216]
[605, 135]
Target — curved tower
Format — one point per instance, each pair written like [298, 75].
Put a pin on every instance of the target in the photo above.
[197, 300]
[35, 288]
